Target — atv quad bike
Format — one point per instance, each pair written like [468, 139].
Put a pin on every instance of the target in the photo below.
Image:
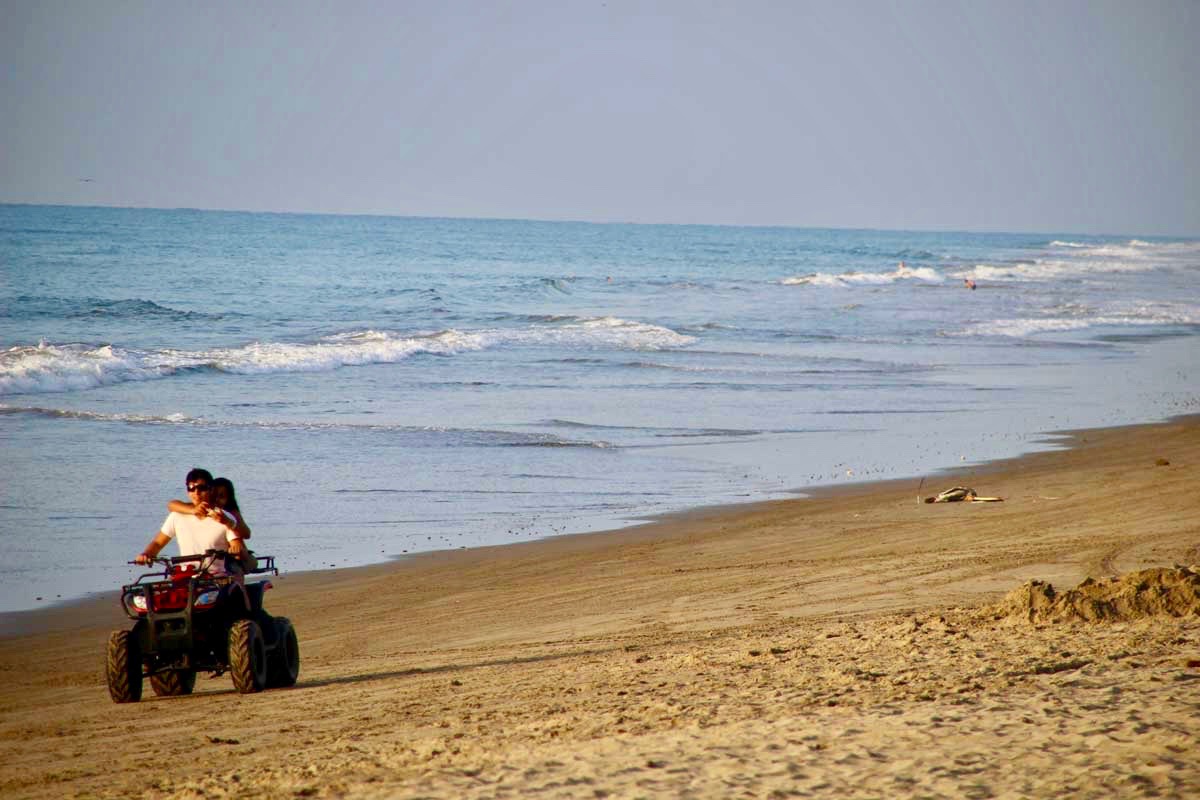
[188, 618]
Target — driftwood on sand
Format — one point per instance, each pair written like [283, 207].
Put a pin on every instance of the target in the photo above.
[961, 494]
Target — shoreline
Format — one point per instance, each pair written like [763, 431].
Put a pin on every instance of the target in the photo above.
[367, 537]
[59, 614]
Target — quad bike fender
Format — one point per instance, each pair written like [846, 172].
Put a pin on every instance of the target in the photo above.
[239, 597]
[254, 595]
[141, 633]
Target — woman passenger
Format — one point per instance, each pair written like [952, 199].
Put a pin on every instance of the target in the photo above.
[224, 508]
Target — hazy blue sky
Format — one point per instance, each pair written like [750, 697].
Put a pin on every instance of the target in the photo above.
[1031, 116]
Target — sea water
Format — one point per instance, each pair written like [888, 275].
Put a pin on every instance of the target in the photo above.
[380, 386]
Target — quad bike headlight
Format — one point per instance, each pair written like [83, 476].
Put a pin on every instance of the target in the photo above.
[137, 602]
[206, 599]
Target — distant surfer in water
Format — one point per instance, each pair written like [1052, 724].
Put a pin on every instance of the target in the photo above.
[970, 284]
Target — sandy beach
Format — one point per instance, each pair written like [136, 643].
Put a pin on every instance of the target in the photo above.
[854, 644]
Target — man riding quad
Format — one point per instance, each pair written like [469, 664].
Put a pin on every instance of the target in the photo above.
[196, 534]
[199, 613]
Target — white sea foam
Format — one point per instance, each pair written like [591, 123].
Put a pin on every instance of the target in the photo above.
[604, 332]
[343, 350]
[67, 367]
[865, 278]
[1117, 247]
[1042, 270]
[1054, 269]
[1078, 317]
[1025, 327]
[99, 416]
[1068, 260]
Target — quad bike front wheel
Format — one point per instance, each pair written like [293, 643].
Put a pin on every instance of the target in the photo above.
[123, 667]
[174, 683]
[285, 658]
[247, 656]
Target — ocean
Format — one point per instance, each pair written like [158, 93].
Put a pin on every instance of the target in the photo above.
[381, 386]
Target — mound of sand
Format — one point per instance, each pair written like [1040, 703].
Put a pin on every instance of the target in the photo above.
[1150, 592]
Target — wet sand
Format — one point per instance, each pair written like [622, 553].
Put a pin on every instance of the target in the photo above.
[843, 645]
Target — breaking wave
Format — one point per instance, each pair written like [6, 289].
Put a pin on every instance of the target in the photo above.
[1066, 260]
[1080, 317]
[67, 367]
[865, 278]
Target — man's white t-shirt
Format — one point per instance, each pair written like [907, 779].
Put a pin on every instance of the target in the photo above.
[195, 534]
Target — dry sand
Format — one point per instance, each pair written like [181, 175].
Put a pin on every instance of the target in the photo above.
[858, 644]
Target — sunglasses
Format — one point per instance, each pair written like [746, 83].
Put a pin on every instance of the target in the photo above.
[199, 487]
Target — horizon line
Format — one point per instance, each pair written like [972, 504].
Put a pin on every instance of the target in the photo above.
[574, 221]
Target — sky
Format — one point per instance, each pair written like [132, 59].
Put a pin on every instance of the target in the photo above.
[1016, 116]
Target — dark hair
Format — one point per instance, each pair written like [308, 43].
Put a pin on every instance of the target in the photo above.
[198, 474]
[231, 504]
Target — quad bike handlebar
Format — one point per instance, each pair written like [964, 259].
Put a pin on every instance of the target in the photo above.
[265, 563]
[172, 561]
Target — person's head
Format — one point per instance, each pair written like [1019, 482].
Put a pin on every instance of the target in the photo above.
[223, 495]
[199, 485]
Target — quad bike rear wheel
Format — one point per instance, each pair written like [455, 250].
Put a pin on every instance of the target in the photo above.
[247, 656]
[123, 667]
[285, 658]
[174, 683]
